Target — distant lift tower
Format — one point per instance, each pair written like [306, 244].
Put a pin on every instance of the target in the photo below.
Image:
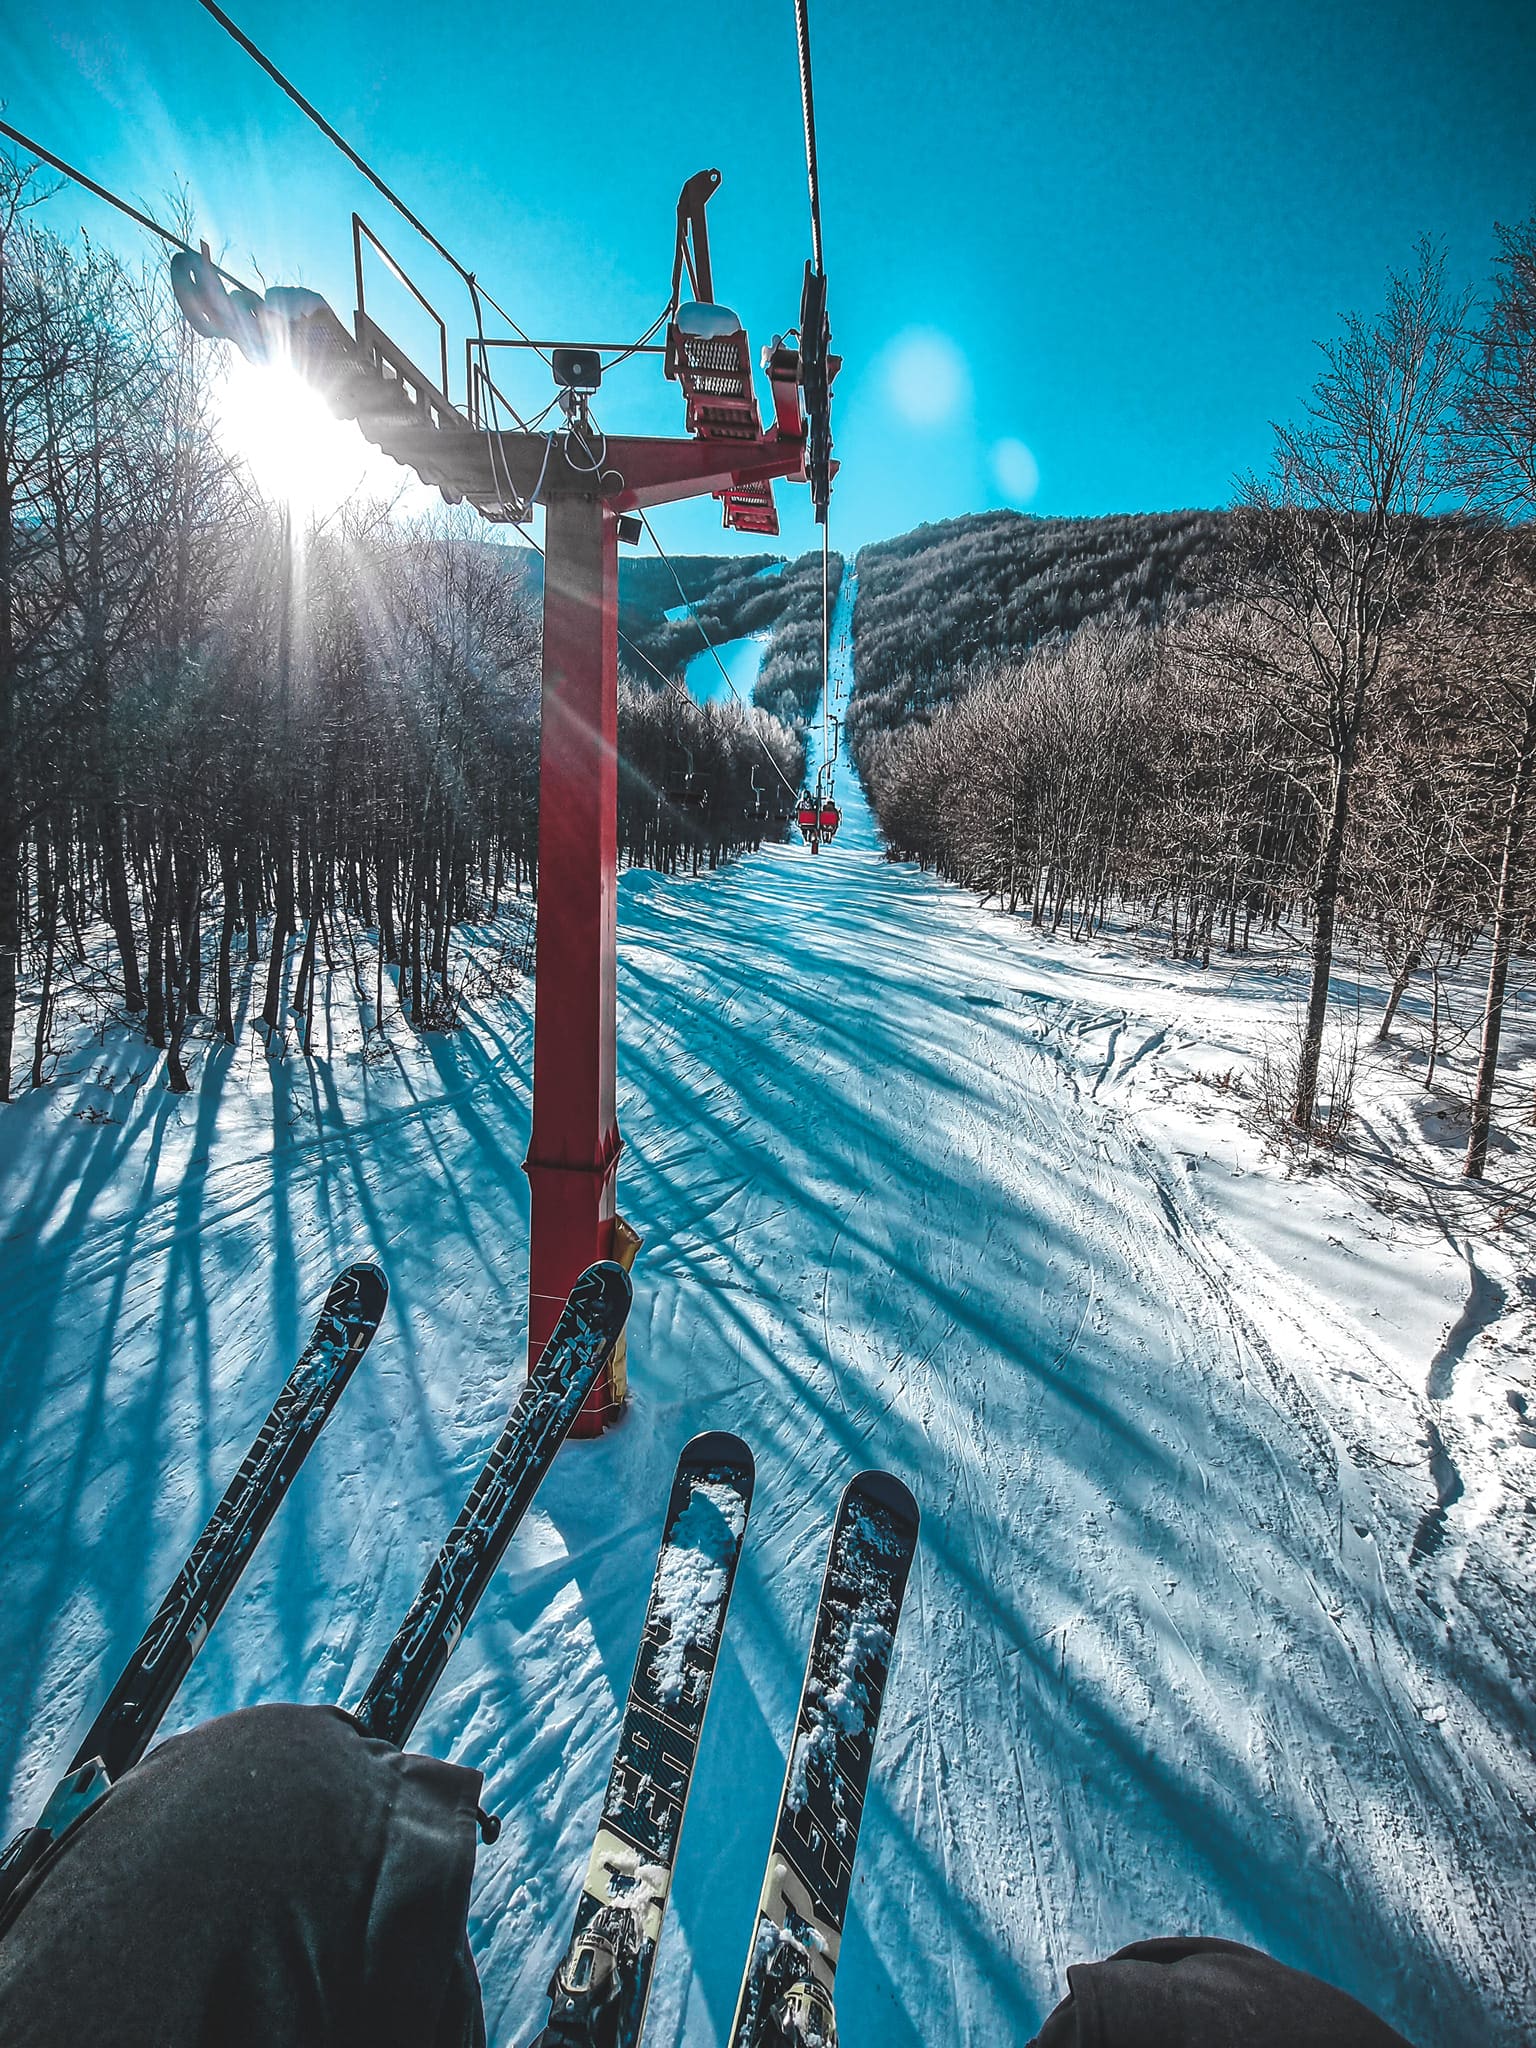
[590, 486]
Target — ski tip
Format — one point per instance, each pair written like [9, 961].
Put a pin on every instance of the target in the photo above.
[604, 1285]
[716, 1447]
[365, 1286]
[888, 1492]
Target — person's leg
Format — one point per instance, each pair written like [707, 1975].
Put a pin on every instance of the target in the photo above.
[1193, 1993]
[272, 1877]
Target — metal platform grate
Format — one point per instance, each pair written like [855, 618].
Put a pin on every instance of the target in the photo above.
[715, 372]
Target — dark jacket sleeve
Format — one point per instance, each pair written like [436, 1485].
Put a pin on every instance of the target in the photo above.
[1206, 1994]
[271, 1878]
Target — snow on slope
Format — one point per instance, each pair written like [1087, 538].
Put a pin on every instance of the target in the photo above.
[741, 659]
[1164, 1665]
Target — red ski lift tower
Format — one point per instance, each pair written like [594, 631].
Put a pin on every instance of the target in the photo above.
[590, 485]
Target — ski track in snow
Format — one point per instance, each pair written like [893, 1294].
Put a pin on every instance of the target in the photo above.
[1163, 1666]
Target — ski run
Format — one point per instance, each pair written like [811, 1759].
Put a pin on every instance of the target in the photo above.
[1216, 1622]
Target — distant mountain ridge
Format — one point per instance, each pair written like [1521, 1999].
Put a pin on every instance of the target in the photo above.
[932, 601]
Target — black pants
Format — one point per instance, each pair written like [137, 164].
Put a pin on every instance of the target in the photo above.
[1206, 1994]
[276, 1880]
[269, 1880]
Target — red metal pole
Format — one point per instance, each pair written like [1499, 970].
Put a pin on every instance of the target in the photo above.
[573, 1153]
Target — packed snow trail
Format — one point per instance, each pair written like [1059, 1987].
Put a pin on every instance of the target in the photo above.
[1163, 1667]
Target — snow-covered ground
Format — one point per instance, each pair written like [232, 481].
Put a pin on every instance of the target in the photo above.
[741, 659]
[921, 1190]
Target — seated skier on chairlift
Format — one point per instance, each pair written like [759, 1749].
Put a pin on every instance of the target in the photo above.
[275, 1879]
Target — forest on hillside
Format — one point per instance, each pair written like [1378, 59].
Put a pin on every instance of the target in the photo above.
[1315, 714]
[934, 601]
[224, 733]
[731, 597]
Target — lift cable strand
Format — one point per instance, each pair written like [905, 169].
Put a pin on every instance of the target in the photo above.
[808, 107]
[477, 290]
[143, 220]
[358, 162]
[638, 652]
[505, 494]
[667, 681]
[826, 650]
[634, 347]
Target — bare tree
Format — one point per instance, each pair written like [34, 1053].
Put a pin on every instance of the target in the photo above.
[40, 335]
[1507, 675]
[1339, 539]
[1495, 442]
[1496, 425]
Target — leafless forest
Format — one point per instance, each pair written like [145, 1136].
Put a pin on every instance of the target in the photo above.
[216, 721]
[1315, 711]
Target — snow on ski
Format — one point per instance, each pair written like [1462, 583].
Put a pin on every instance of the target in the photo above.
[580, 1345]
[786, 1991]
[137, 1703]
[598, 1995]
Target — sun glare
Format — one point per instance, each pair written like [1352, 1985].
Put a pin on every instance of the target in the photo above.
[927, 379]
[1015, 471]
[297, 452]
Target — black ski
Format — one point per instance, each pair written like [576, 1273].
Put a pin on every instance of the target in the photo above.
[786, 1992]
[598, 1995]
[137, 1704]
[581, 1344]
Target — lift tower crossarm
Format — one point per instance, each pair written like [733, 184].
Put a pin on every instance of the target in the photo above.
[402, 412]
[637, 470]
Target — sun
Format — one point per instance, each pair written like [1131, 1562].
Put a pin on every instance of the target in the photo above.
[297, 452]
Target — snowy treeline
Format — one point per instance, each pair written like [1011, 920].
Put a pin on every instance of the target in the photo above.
[732, 597]
[932, 602]
[220, 733]
[789, 682]
[1336, 728]
[700, 781]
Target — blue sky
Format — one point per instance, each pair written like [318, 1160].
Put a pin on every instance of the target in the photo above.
[1078, 253]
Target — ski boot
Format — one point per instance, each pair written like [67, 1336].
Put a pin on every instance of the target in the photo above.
[587, 1991]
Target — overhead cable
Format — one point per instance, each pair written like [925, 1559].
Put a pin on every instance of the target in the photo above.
[808, 108]
[111, 198]
[719, 664]
[359, 162]
[638, 652]
[826, 649]
[662, 676]
[634, 347]
[477, 290]
[506, 495]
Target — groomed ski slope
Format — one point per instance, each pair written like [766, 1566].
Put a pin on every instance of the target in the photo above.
[1164, 1665]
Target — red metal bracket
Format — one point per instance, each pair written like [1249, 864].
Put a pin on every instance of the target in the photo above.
[715, 372]
[712, 361]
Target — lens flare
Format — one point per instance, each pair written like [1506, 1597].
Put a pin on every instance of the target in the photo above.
[1015, 471]
[927, 378]
[296, 451]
